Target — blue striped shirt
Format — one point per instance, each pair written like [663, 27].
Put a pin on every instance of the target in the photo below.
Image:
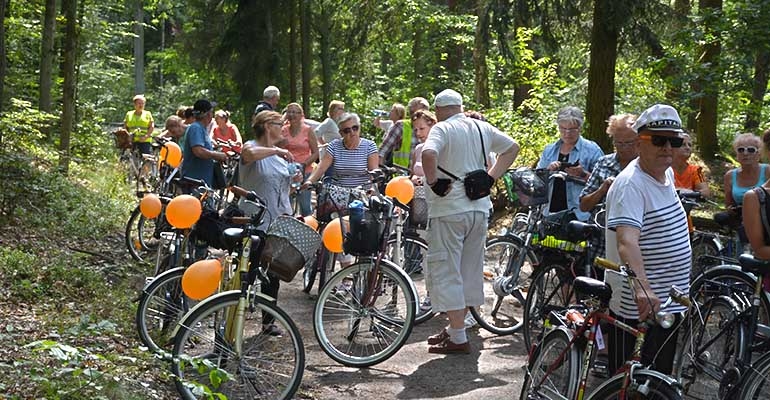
[351, 166]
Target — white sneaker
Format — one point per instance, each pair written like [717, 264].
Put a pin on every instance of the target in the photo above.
[425, 305]
[470, 322]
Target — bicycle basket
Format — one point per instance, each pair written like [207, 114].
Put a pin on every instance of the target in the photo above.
[332, 199]
[211, 226]
[290, 245]
[365, 236]
[122, 139]
[418, 213]
[531, 186]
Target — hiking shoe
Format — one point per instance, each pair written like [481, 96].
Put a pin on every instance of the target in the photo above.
[438, 338]
[272, 330]
[450, 347]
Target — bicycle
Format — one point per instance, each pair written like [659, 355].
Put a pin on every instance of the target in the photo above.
[716, 351]
[558, 365]
[366, 311]
[220, 343]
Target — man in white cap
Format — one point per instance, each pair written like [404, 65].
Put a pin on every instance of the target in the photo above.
[270, 97]
[457, 227]
[647, 230]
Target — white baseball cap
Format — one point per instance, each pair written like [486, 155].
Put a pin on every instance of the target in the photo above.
[448, 97]
[660, 117]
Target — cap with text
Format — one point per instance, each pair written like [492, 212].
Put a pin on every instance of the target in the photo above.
[659, 118]
[448, 97]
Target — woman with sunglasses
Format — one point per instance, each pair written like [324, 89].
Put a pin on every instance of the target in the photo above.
[750, 174]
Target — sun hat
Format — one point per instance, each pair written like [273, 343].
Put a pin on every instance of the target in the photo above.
[660, 117]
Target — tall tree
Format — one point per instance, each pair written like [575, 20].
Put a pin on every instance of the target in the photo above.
[306, 44]
[609, 17]
[758, 90]
[480, 49]
[139, 46]
[709, 78]
[3, 66]
[293, 21]
[47, 55]
[70, 9]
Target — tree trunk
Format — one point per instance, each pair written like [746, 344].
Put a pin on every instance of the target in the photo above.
[4, 5]
[305, 56]
[454, 59]
[139, 47]
[521, 89]
[481, 40]
[601, 74]
[46, 56]
[293, 50]
[709, 81]
[754, 113]
[70, 60]
[324, 43]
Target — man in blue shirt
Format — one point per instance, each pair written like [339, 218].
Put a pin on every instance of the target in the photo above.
[199, 157]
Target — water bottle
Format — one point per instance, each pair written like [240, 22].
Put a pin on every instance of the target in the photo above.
[380, 113]
[356, 208]
[293, 169]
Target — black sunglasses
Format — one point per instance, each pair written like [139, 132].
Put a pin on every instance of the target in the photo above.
[660, 141]
[353, 128]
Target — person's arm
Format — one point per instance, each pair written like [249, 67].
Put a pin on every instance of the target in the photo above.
[430, 165]
[205, 154]
[589, 201]
[253, 152]
[320, 169]
[373, 161]
[313, 143]
[631, 254]
[504, 161]
[150, 127]
[391, 139]
[752, 223]
[727, 186]
[238, 137]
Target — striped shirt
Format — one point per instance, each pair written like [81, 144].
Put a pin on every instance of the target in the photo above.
[638, 200]
[351, 166]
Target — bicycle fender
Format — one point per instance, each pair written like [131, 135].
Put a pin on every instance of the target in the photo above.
[640, 372]
[162, 275]
[718, 270]
[230, 293]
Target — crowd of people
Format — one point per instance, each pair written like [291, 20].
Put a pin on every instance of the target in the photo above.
[647, 228]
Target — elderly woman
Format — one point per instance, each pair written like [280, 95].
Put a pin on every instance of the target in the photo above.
[300, 140]
[264, 169]
[328, 130]
[750, 174]
[580, 153]
[226, 131]
[139, 122]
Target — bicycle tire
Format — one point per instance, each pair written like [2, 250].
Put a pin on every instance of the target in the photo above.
[414, 255]
[161, 306]
[327, 268]
[310, 272]
[564, 379]
[658, 387]
[703, 244]
[138, 235]
[358, 335]
[275, 362]
[503, 313]
[551, 289]
[700, 370]
[756, 384]
[731, 281]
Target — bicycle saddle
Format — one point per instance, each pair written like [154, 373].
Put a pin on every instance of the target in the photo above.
[591, 287]
[581, 231]
[754, 265]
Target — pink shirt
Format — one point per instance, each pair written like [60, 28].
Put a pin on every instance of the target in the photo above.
[225, 136]
[298, 146]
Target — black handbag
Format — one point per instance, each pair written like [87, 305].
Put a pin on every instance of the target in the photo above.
[477, 183]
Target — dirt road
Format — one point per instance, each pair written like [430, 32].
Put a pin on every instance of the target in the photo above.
[492, 370]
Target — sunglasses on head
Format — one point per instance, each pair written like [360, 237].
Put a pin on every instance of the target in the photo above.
[660, 141]
[353, 128]
[749, 150]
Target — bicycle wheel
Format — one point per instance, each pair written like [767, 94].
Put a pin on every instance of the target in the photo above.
[503, 310]
[551, 289]
[731, 281]
[645, 384]
[161, 306]
[553, 352]
[360, 333]
[140, 235]
[756, 385]
[414, 252]
[710, 345]
[327, 268]
[704, 251]
[310, 272]
[269, 366]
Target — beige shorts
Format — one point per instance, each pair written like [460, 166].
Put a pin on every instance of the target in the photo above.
[455, 260]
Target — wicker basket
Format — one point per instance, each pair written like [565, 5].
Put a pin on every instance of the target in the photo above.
[418, 215]
[289, 247]
[122, 139]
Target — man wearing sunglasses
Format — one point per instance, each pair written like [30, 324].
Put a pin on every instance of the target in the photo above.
[647, 230]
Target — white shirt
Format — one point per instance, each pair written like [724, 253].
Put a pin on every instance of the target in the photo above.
[456, 140]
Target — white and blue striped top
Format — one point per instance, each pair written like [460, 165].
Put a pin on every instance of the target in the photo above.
[351, 165]
[638, 200]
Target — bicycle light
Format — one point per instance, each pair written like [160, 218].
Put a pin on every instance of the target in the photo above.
[665, 319]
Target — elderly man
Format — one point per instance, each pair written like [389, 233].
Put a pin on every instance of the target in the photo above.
[457, 227]
[398, 142]
[270, 97]
[647, 230]
[198, 162]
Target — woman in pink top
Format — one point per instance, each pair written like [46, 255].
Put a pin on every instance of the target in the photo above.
[226, 131]
[301, 142]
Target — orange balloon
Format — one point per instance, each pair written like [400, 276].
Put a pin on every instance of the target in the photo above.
[201, 279]
[150, 206]
[400, 187]
[171, 154]
[311, 222]
[332, 235]
[183, 211]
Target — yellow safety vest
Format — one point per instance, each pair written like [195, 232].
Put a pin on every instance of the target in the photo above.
[402, 156]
